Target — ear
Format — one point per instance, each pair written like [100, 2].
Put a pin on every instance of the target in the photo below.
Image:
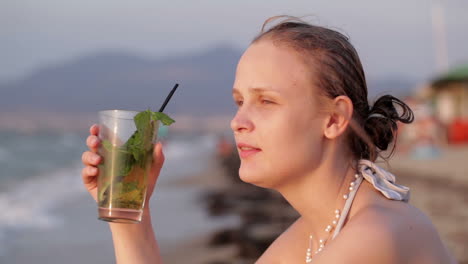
[339, 117]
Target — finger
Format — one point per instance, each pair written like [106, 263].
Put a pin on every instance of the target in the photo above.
[158, 161]
[90, 158]
[89, 172]
[158, 157]
[94, 130]
[88, 176]
[93, 143]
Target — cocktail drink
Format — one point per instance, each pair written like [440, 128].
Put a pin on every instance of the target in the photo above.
[127, 142]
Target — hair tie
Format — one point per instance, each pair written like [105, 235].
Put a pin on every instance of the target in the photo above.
[377, 115]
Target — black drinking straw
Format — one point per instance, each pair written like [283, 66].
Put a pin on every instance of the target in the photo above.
[168, 97]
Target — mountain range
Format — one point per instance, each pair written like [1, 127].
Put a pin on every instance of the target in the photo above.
[119, 80]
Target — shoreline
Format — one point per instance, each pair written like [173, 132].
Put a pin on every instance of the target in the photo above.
[79, 237]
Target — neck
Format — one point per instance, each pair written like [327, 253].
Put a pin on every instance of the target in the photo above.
[320, 192]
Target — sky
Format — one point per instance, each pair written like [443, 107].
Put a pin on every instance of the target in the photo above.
[393, 38]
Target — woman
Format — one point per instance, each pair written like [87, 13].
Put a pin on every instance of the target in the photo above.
[304, 128]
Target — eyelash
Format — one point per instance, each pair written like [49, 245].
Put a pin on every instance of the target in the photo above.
[265, 101]
[262, 101]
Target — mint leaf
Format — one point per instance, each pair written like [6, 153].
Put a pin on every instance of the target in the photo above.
[134, 144]
[142, 119]
[109, 147]
[165, 119]
[140, 144]
[138, 148]
[126, 162]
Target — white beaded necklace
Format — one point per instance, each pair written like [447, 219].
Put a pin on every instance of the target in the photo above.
[339, 218]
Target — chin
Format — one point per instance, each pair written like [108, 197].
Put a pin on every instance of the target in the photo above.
[258, 179]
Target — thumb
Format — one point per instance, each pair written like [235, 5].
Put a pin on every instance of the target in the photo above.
[156, 165]
[158, 160]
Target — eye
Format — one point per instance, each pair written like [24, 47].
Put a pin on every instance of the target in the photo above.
[238, 102]
[266, 101]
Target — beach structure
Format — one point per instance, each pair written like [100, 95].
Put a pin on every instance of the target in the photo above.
[448, 94]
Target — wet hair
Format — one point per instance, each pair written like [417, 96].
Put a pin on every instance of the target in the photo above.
[338, 71]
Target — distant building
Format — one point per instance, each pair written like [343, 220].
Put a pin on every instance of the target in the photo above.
[448, 96]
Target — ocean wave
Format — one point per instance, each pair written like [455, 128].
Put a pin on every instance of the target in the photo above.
[28, 202]
[178, 149]
[26, 156]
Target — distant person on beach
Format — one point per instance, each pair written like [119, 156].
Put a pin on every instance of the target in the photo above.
[304, 128]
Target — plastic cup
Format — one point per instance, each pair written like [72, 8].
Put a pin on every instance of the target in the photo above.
[123, 173]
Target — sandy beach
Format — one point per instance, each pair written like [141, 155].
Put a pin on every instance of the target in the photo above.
[439, 187]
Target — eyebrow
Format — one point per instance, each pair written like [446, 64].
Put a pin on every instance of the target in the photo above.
[255, 90]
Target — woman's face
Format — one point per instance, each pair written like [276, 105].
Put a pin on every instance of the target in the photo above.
[277, 127]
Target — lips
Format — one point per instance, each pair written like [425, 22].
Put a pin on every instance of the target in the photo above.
[246, 150]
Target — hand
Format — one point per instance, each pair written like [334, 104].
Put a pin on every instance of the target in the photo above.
[91, 160]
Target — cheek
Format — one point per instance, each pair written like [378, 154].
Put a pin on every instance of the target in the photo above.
[300, 152]
[288, 150]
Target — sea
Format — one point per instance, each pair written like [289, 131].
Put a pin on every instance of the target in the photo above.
[47, 216]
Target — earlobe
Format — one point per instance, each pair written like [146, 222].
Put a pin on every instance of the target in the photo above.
[339, 118]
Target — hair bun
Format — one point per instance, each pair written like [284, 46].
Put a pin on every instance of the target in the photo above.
[380, 123]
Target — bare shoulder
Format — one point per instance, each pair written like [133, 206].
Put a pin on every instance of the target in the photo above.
[394, 232]
[289, 247]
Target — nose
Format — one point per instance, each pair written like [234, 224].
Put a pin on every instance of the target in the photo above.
[241, 123]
